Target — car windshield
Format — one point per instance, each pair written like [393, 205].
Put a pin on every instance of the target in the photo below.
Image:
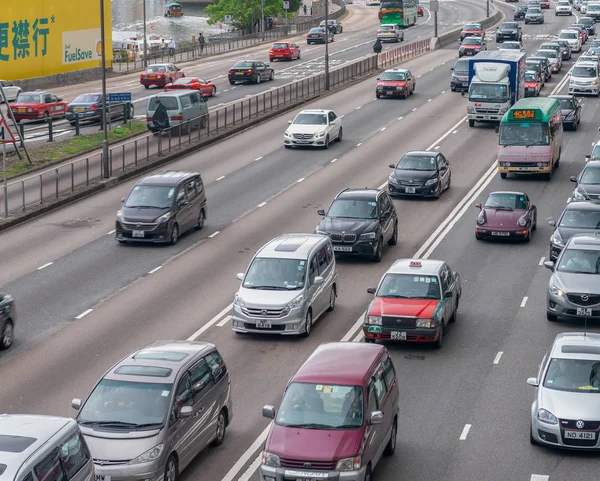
[595, 44]
[87, 99]
[461, 66]
[126, 404]
[521, 9]
[488, 92]
[311, 119]
[417, 162]
[28, 99]
[568, 35]
[393, 76]
[524, 134]
[409, 286]
[472, 41]
[151, 197]
[185, 81]
[275, 274]
[595, 152]
[531, 77]
[566, 104]
[472, 26]
[549, 46]
[510, 46]
[534, 66]
[317, 30]
[169, 103]
[580, 219]
[384, 28]
[534, 11]
[243, 65]
[563, 43]
[353, 209]
[590, 175]
[321, 406]
[546, 53]
[156, 68]
[509, 26]
[573, 375]
[506, 201]
[585, 72]
[593, 8]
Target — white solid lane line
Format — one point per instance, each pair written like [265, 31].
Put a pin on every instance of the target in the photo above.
[214, 320]
[214, 234]
[225, 320]
[45, 265]
[541, 263]
[262, 204]
[465, 432]
[524, 301]
[220, 178]
[300, 180]
[539, 477]
[240, 463]
[498, 356]
[155, 269]
[111, 232]
[84, 313]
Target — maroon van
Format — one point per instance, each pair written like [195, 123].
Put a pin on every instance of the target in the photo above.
[344, 393]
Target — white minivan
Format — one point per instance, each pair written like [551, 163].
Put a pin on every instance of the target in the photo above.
[170, 109]
[585, 79]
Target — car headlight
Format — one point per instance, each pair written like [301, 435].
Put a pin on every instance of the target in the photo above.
[426, 323]
[287, 134]
[577, 195]
[148, 456]
[164, 218]
[368, 235]
[120, 215]
[557, 240]
[238, 301]
[296, 303]
[431, 182]
[480, 219]
[270, 459]
[322, 232]
[392, 180]
[594, 82]
[348, 464]
[546, 416]
[522, 222]
[399, 87]
[554, 290]
[320, 134]
[374, 320]
[470, 110]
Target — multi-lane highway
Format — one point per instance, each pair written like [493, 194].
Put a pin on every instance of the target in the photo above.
[360, 26]
[464, 408]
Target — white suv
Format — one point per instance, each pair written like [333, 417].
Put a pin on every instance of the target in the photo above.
[585, 79]
[313, 128]
[563, 7]
[572, 37]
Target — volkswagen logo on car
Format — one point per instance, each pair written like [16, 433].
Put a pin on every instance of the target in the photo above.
[580, 424]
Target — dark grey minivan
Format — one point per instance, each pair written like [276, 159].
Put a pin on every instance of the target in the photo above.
[161, 207]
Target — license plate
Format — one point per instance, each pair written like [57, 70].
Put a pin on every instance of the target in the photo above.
[584, 311]
[152, 76]
[398, 335]
[410, 190]
[342, 248]
[579, 435]
[314, 36]
[302, 141]
[101, 477]
[523, 169]
[263, 324]
[22, 110]
[79, 109]
[465, 84]
[501, 234]
[138, 233]
[239, 73]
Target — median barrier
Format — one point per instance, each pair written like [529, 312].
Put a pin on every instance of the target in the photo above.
[30, 196]
[454, 35]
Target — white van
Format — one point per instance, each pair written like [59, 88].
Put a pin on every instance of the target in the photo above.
[170, 109]
[585, 79]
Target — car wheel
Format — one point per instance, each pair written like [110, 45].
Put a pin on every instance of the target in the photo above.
[231, 82]
[391, 445]
[287, 146]
[377, 96]
[503, 175]
[478, 236]
[449, 181]
[439, 190]
[174, 235]
[258, 79]
[368, 474]
[271, 60]
[379, 252]
[46, 116]
[531, 438]
[171, 469]
[221, 428]
[394, 239]
[201, 219]
[146, 86]
[299, 55]
[527, 237]
[551, 317]
[213, 91]
[308, 324]
[471, 123]
[272, 76]
[326, 146]
[332, 296]
[440, 340]
[340, 135]
[7, 335]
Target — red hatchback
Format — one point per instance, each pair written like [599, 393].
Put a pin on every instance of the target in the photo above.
[345, 393]
[284, 51]
[205, 87]
[160, 74]
[38, 106]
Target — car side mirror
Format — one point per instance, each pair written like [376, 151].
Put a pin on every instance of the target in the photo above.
[321, 212]
[183, 203]
[376, 417]
[378, 78]
[371, 290]
[552, 223]
[76, 404]
[478, 205]
[549, 265]
[268, 411]
[59, 100]
[573, 178]
[392, 166]
[186, 411]
[588, 157]
[240, 276]
[532, 381]
[452, 68]
[318, 281]
[448, 295]
[289, 122]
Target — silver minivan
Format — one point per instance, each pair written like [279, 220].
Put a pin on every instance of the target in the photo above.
[170, 109]
[290, 283]
[154, 411]
[43, 448]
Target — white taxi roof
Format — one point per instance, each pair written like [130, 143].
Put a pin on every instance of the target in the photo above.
[429, 267]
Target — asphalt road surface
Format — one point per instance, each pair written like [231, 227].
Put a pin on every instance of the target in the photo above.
[464, 409]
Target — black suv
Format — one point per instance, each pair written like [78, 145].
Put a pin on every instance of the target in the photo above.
[509, 31]
[520, 12]
[359, 222]
[8, 316]
[161, 207]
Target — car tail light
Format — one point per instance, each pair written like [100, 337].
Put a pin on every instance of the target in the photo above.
[93, 107]
[230, 71]
[177, 117]
[249, 70]
[148, 118]
[393, 31]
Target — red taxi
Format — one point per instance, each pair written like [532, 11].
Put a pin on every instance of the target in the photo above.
[395, 82]
[38, 106]
[284, 51]
[205, 87]
[414, 302]
[419, 11]
[471, 46]
[472, 30]
[544, 3]
[160, 74]
[533, 84]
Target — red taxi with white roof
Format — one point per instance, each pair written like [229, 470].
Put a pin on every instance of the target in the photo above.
[284, 51]
[38, 105]
[414, 302]
[160, 74]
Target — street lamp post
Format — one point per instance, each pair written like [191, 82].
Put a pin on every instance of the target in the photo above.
[105, 161]
[487, 8]
[326, 45]
[145, 39]
[262, 18]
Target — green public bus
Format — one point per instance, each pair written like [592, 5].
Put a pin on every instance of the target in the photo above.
[400, 12]
[531, 135]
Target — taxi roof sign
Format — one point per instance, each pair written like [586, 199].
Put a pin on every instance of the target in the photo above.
[416, 264]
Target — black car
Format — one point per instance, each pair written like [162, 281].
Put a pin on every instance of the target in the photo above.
[577, 218]
[459, 80]
[334, 26]
[88, 107]
[161, 207]
[537, 67]
[588, 182]
[360, 222]
[565, 49]
[422, 174]
[571, 110]
[317, 35]
[252, 71]
[589, 23]
[8, 317]
[509, 31]
[520, 12]
[545, 65]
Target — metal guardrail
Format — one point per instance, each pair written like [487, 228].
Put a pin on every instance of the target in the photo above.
[53, 183]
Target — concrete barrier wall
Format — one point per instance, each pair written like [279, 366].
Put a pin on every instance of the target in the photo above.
[454, 35]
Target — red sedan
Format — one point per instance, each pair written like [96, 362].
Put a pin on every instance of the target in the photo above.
[38, 106]
[160, 74]
[205, 87]
[284, 51]
[419, 11]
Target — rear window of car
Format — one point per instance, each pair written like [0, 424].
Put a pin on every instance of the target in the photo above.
[316, 30]
[472, 26]
[169, 103]
[88, 98]
[156, 68]
[280, 45]
[244, 65]
[461, 66]
[28, 99]
[386, 27]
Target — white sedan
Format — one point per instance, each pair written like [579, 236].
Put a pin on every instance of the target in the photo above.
[10, 91]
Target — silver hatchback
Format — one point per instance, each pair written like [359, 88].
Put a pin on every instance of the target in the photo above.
[154, 411]
[289, 284]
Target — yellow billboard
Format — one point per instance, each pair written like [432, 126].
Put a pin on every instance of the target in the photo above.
[48, 37]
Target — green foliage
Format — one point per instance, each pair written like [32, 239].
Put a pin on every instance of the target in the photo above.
[244, 11]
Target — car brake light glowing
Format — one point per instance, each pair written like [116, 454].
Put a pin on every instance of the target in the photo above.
[415, 264]
[249, 70]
